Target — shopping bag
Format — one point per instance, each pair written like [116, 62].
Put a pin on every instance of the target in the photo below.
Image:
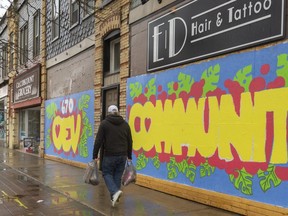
[88, 172]
[94, 178]
[91, 175]
[129, 174]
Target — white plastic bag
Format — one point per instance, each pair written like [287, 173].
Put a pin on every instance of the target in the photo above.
[91, 175]
[129, 174]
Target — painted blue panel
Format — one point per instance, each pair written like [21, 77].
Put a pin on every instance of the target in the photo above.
[267, 64]
[69, 126]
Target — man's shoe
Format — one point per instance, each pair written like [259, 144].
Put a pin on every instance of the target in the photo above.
[116, 197]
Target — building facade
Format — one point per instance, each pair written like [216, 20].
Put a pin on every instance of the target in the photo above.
[24, 72]
[202, 84]
[70, 68]
[4, 79]
[206, 101]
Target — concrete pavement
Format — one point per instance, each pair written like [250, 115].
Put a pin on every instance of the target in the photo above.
[67, 181]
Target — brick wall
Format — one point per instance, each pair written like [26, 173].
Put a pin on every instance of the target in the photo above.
[113, 16]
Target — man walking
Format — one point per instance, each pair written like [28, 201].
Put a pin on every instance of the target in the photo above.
[114, 136]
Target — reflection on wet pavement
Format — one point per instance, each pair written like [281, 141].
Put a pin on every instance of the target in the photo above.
[30, 185]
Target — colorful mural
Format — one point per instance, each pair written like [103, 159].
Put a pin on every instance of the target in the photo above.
[69, 126]
[220, 125]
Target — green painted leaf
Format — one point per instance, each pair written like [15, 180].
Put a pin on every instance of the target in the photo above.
[51, 110]
[268, 178]
[172, 169]
[135, 89]
[141, 162]
[206, 169]
[151, 88]
[244, 77]
[170, 88]
[191, 172]
[184, 84]
[282, 65]
[84, 102]
[156, 162]
[48, 139]
[211, 77]
[243, 182]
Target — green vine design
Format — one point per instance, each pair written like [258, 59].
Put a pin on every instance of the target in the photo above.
[183, 167]
[50, 113]
[87, 129]
[206, 169]
[151, 87]
[142, 162]
[156, 162]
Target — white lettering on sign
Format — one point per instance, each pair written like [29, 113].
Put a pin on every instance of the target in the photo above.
[248, 10]
[24, 82]
[173, 36]
[155, 36]
[172, 31]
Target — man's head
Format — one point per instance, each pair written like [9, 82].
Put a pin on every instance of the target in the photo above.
[113, 110]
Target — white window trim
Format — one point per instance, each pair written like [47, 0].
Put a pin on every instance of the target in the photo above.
[55, 18]
[36, 34]
[72, 25]
[112, 50]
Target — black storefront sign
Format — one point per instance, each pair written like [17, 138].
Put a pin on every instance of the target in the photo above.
[205, 28]
[26, 86]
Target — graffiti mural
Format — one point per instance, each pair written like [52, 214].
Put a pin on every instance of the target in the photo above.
[69, 126]
[220, 125]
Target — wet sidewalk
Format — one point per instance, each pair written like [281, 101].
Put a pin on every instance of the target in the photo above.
[67, 181]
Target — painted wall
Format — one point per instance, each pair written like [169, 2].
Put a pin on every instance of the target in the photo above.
[69, 126]
[220, 125]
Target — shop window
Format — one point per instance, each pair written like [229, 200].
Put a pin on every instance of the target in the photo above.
[74, 12]
[36, 34]
[24, 44]
[112, 53]
[55, 19]
[30, 123]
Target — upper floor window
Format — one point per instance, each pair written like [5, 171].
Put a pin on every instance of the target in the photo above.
[74, 12]
[24, 44]
[55, 18]
[11, 51]
[88, 7]
[36, 34]
[112, 53]
[4, 60]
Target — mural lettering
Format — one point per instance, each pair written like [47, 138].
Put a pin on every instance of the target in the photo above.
[229, 114]
[68, 126]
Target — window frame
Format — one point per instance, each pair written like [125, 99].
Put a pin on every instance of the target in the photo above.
[11, 51]
[55, 19]
[87, 8]
[23, 44]
[74, 8]
[36, 34]
[4, 60]
[113, 44]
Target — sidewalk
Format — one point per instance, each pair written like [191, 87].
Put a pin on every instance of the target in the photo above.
[136, 200]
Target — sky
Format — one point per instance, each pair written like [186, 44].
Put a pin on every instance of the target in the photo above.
[4, 4]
